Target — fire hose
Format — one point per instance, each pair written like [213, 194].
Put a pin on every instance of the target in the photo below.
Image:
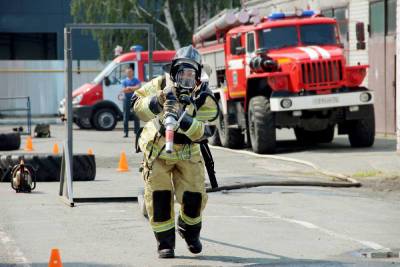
[346, 181]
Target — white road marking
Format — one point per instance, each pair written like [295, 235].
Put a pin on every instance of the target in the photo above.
[324, 53]
[310, 52]
[13, 250]
[309, 225]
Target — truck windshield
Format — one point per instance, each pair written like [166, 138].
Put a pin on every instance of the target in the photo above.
[104, 72]
[279, 37]
[318, 34]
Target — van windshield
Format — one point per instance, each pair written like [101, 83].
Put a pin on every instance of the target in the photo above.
[104, 72]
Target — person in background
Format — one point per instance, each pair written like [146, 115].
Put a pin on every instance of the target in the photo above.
[130, 84]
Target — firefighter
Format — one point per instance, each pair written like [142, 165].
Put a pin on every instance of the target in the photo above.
[179, 174]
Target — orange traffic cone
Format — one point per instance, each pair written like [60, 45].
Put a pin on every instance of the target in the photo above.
[123, 163]
[29, 145]
[55, 258]
[90, 151]
[55, 149]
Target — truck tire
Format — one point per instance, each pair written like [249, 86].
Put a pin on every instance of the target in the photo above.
[229, 137]
[10, 141]
[305, 137]
[105, 119]
[362, 132]
[261, 123]
[214, 139]
[84, 124]
[48, 166]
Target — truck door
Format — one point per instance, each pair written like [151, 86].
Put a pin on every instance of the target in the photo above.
[235, 62]
[113, 92]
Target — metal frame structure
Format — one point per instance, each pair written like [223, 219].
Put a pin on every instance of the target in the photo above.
[27, 109]
[66, 180]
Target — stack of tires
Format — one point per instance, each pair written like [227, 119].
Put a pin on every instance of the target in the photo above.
[10, 141]
[48, 166]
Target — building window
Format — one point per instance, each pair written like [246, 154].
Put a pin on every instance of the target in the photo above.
[340, 15]
[28, 46]
[377, 18]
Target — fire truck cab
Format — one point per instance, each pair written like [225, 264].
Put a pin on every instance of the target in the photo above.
[99, 103]
[287, 71]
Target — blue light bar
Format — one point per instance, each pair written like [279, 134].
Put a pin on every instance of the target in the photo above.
[308, 13]
[136, 48]
[276, 15]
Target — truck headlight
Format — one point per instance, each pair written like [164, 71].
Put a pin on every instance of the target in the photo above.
[77, 99]
[365, 97]
[286, 103]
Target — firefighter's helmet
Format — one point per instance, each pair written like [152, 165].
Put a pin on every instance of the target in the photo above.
[186, 58]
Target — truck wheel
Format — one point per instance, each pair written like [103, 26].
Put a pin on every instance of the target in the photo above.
[229, 137]
[105, 119]
[84, 123]
[261, 123]
[362, 132]
[214, 139]
[10, 141]
[312, 137]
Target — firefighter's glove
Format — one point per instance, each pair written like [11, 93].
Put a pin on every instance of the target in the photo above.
[171, 108]
[168, 93]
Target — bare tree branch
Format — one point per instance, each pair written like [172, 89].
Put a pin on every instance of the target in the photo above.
[171, 26]
[195, 16]
[185, 21]
[151, 16]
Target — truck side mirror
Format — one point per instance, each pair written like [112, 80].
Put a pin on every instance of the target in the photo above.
[107, 81]
[360, 34]
[239, 50]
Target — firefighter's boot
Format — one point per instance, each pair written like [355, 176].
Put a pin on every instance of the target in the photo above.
[191, 234]
[166, 244]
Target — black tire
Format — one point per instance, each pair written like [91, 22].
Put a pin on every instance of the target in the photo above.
[104, 119]
[10, 141]
[48, 166]
[84, 124]
[229, 137]
[261, 123]
[312, 137]
[214, 139]
[362, 132]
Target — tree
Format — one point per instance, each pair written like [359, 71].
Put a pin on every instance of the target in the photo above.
[174, 20]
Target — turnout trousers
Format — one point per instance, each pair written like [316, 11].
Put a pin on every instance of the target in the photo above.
[179, 179]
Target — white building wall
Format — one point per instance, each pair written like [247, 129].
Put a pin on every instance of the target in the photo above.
[358, 12]
[42, 81]
[398, 76]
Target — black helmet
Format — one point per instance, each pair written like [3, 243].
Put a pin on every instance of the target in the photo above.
[187, 56]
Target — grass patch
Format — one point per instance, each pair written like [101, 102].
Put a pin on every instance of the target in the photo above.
[364, 174]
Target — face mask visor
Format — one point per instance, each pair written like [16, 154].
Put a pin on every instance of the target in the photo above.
[186, 78]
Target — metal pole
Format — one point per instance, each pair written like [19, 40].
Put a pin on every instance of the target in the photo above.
[150, 48]
[68, 99]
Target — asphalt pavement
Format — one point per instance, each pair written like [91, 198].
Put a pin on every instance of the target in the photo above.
[264, 226]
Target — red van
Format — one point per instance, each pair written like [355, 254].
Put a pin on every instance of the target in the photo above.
[98, 104]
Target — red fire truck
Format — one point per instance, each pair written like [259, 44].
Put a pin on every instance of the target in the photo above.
[286, 71]
[98, 104]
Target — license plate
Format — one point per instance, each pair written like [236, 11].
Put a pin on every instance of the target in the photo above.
[325, 100]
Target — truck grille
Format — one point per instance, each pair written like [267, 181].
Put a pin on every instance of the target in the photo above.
[322, 74]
